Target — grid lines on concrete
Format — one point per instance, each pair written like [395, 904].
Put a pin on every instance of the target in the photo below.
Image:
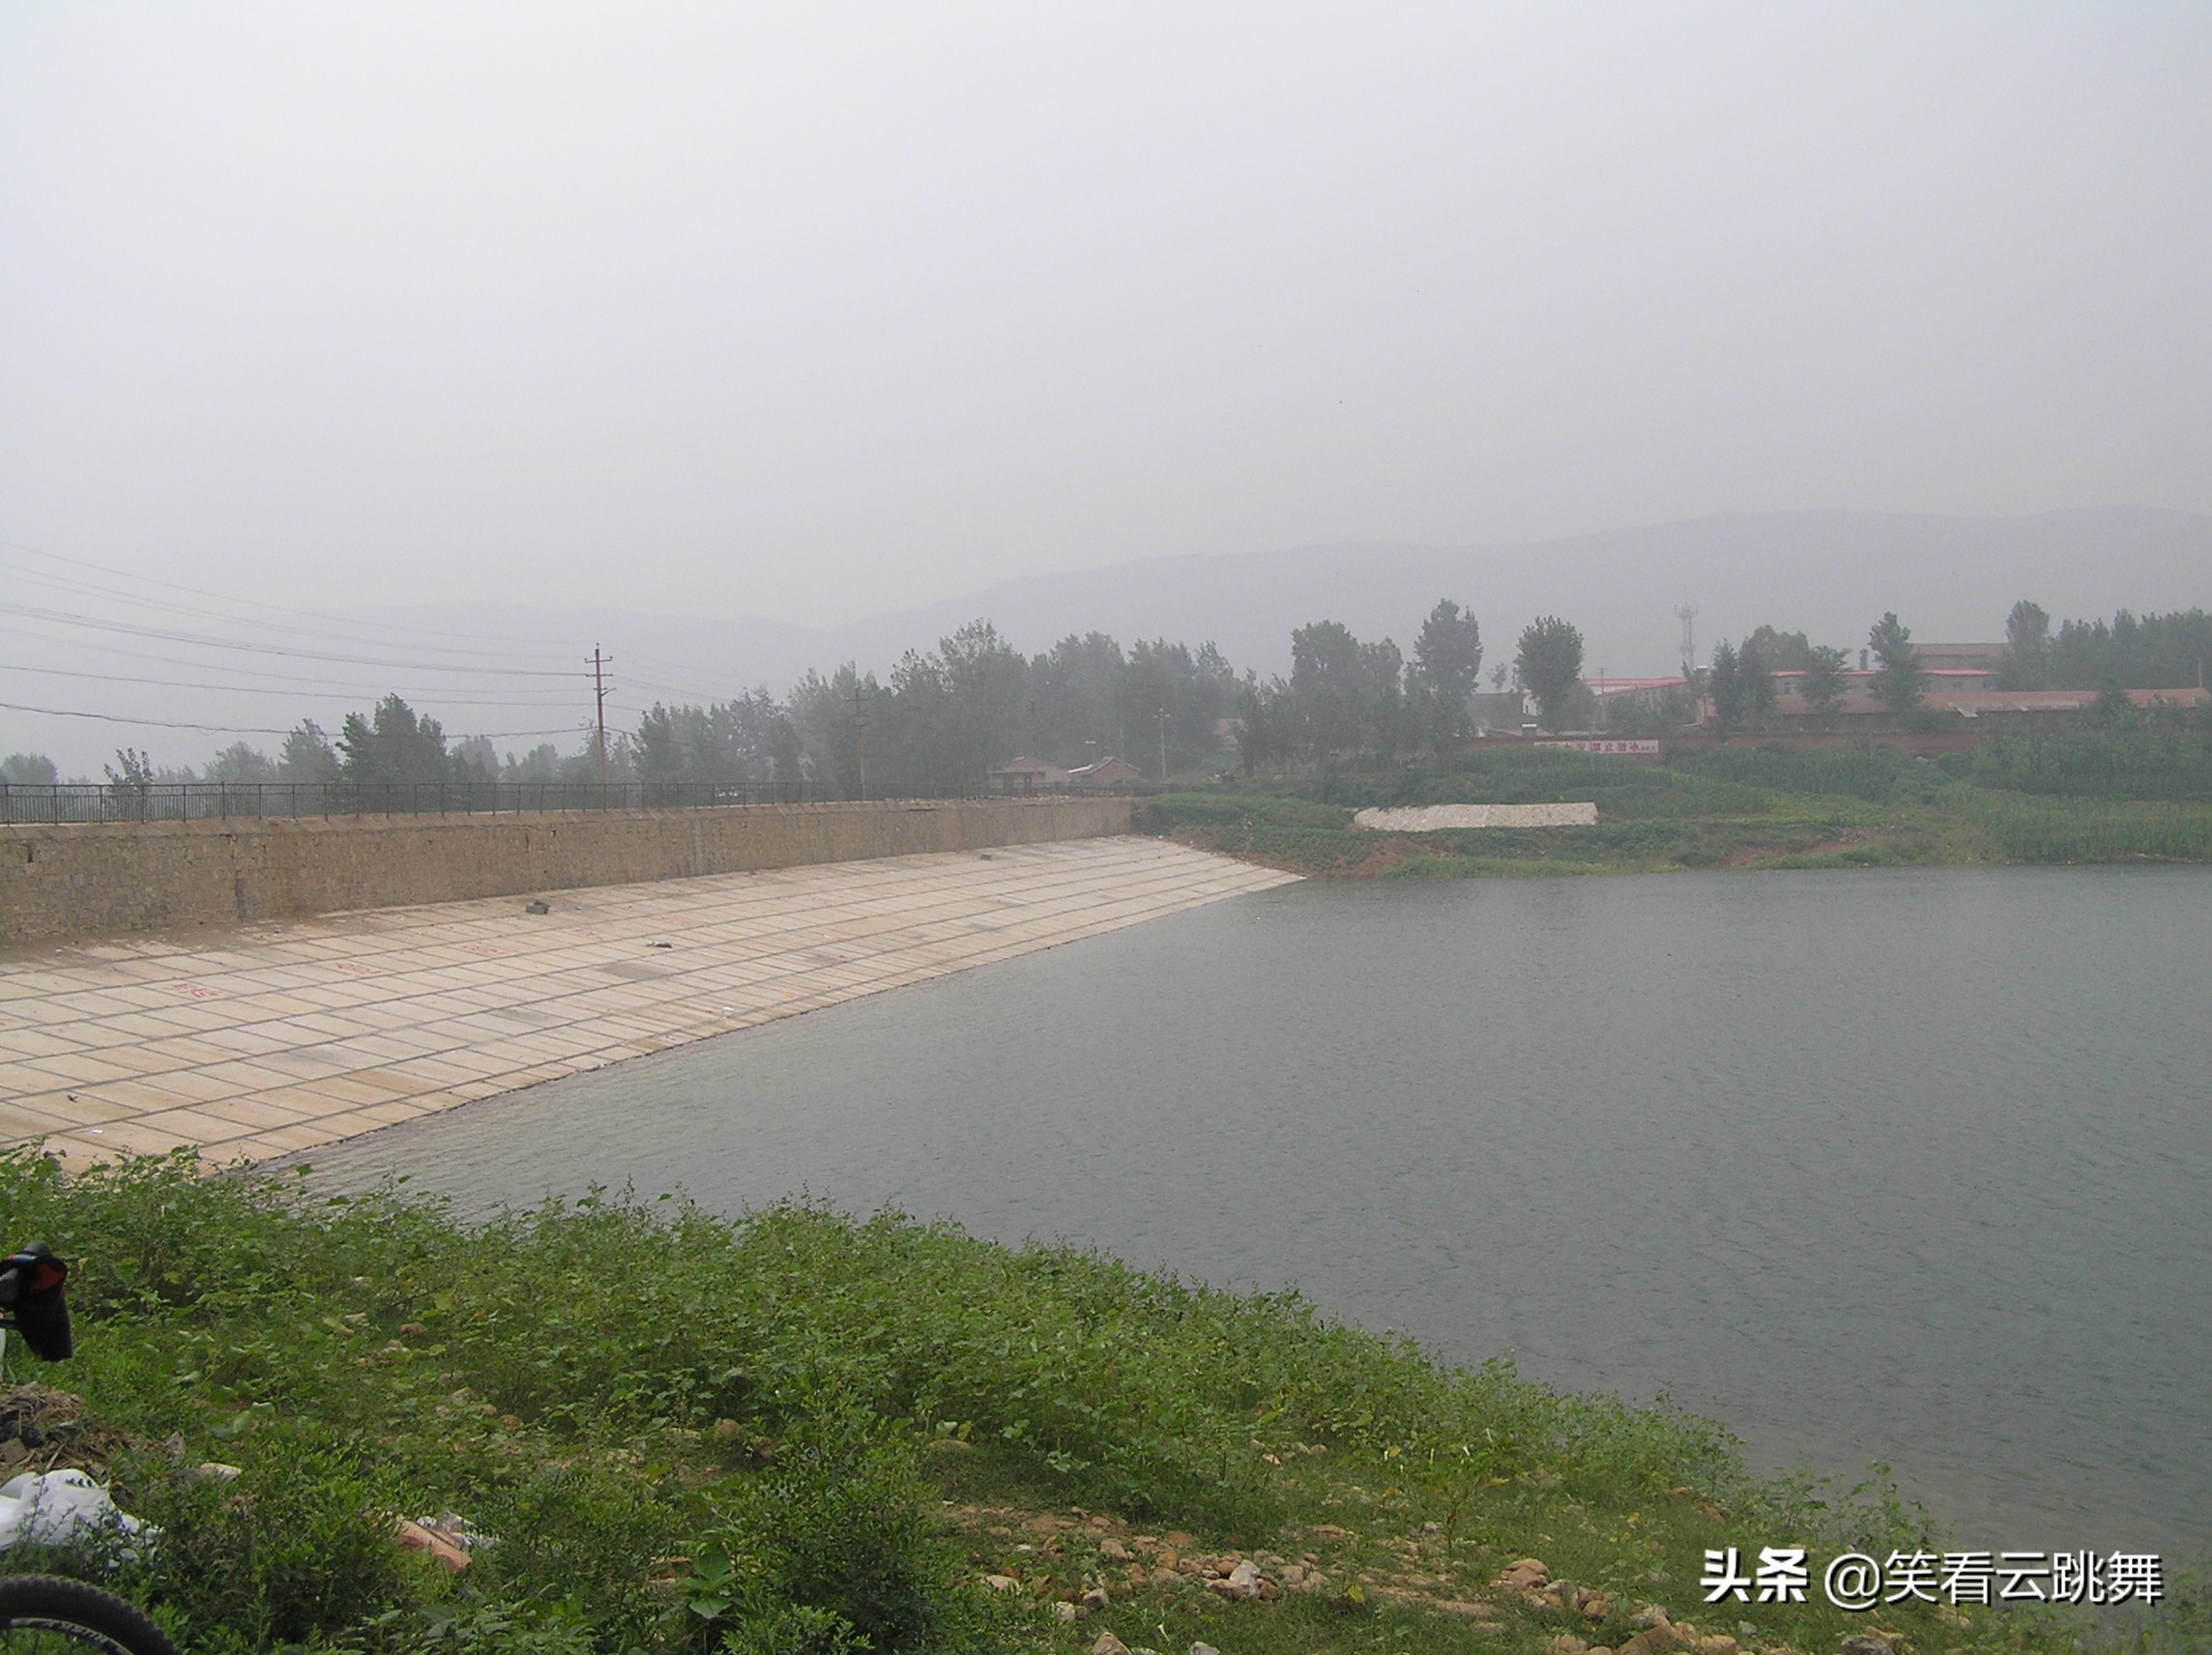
[276, 1039]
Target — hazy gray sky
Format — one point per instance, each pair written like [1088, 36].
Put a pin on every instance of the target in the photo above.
[815, 311]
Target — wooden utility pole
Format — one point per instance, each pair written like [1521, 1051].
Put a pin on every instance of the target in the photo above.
[599, 664]
[1163, 744]
[861, 737]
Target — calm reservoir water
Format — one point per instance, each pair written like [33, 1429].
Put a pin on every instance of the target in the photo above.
[1899, 1166]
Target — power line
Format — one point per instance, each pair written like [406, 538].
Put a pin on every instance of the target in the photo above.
[310, 642]
[167, 607]
[680, 689]
[426, 668]
[251, 729]
[321, 631]
[201, 640]
[321, 622]
[321, 627]
[229, 688]
[150, 723]
[308, 634]
[126, 653]
[246, 729]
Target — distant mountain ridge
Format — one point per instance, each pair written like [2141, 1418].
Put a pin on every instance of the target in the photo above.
[1832, 574]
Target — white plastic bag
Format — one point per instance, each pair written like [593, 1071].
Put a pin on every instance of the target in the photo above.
[61, 1508]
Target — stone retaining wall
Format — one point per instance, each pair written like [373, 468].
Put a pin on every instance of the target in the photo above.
[85, 880]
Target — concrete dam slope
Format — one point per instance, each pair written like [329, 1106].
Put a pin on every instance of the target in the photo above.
[75, 880]
[266, 1042]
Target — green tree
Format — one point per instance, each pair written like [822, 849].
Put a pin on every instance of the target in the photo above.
[2156, 652]
[1447, 660]
[1824, 682]
[2026, 661]
[986, 691]
[936, 726]
[1757, 673]
[542, 762]
[1383, 696]
[392, 744]
[474, 758]
[1346, 696]
[659, 752]
[241, 763]
[1782, 652]
[306, 755]
[130, 778]
[1653, 712]
[1448, 652]
[2114, 710]
[1194, 688]
[1256, 738]
[28, 769]
[1550, 661]
[1325, 679]
[581, 768]
[723, 741]
[1725, 685]
[840, 720]
[1900, 683]
[786, 761]
[1075, 696]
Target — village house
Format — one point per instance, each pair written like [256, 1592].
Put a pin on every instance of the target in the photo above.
[1106, 772]
[1025, 778]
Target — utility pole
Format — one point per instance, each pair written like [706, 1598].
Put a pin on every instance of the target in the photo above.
[599, 664]
[1163, 744]
[861, 737]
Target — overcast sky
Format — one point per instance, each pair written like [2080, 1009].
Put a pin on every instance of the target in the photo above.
[813, 311]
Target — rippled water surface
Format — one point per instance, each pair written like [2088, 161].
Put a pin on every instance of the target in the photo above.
[1897, 1166]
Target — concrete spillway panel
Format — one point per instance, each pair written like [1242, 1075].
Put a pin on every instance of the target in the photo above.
[1436, 818]
[271, 1040]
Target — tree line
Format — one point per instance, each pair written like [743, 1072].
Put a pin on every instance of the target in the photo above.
[2157, 651]
[1739, 684]
[941, 718]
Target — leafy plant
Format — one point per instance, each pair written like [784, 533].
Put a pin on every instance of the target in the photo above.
[833, 1548]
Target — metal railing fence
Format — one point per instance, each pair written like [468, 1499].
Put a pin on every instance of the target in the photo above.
[212, 800]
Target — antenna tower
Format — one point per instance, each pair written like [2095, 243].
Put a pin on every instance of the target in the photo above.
[1689, 619]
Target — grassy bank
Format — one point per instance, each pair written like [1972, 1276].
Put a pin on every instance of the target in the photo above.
[1742, 806]
[798, 1432]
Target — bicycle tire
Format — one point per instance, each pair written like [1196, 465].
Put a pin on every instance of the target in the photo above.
[41, 1613]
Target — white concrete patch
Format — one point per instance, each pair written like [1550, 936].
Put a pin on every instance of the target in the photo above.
[1434, 818]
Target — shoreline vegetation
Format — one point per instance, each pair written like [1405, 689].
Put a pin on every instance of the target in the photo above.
[647, 1429]
[1742, 805]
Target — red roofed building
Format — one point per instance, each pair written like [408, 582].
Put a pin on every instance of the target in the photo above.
[1106, 772]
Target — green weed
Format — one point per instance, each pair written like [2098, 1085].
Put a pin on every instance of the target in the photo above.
[778, 1434]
